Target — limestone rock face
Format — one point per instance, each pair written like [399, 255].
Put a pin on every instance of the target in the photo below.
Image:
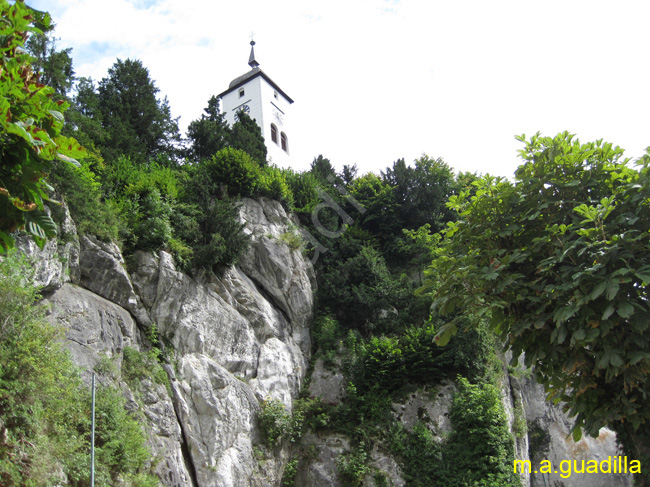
[548, 433]
[284, 274]
[103, 272]
[95, 327]
[97, 332]
[235, 340]
[58, 261]
[219, 416]
[322, 470]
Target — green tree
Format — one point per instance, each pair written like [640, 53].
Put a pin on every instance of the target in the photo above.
[422, 192]
[209, 134]
[54, 67]
[246, 135]
[559, 260]
[378, 200]
[85, 115]
[137, 124]
[31, 120]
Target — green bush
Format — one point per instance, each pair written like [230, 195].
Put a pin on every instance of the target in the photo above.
[275, 422]
[362, 292]
[352, 466]
[480, 443]
[414, 358]
[139, 365]
[120, 448]
[420, 454]
[326, 333]
[289, 474]
[81, 191]
[234, 171]
[303, 187]
[221, 241]
[273, 184]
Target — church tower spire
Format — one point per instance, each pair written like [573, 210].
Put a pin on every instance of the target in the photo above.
[251, 59]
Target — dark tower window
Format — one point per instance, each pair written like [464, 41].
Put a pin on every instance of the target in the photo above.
[242, 92]
[274, 133]
[284, 143]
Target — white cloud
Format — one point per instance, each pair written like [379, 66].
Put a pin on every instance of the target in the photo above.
[375, 80]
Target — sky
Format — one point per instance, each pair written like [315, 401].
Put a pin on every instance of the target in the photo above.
[378, 80]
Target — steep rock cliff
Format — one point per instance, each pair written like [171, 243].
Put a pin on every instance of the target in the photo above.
[233, 341]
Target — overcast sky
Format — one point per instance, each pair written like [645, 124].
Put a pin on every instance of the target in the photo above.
[378, 80]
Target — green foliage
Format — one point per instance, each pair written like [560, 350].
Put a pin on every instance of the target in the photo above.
[136, 124]
[326, 333]
[377, 198]
[30, 130]
[414, 358]
[479, 449]
[138, 365]
[362, 292]
[289, 474]
[273, 184]
[81, 191]
[303, 187]
[276, 423]
[39, 389]
[422, 192]
[293, 239]
[311, 414]
[209, 134]
[54, 67]
[120, 448]
[221, 241]
[558, 260]
[420, 453]
[234, 172]
[477, 453]
[352, 466]
[246, 136]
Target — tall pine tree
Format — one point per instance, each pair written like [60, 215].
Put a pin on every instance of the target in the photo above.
[137, 124]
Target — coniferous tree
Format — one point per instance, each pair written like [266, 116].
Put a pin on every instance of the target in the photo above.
[246, 135]
[209, 134]
[137, 124]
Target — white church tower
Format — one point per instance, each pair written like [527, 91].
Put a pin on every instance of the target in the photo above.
[263, 100]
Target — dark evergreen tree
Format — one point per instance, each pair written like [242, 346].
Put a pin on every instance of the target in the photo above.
[209, 134]
[246, 135]
[422, 192]
[84, 119]
[349, 173]
[137, 124]
[323, 171]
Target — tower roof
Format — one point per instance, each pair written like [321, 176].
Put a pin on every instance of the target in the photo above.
[251, 59]
[252, 74]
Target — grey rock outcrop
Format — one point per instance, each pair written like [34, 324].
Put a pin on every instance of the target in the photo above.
[549, 434]
[97, 332]
[236, 340]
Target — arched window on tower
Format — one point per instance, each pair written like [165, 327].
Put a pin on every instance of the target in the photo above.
[284, 142]
[274, 133]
